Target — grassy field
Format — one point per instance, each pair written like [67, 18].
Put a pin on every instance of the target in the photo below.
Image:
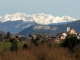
[41, 52]
[4, 45]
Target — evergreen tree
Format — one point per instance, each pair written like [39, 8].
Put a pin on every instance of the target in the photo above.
[14, 46]
[71, 41]
[35, 41]
[8, 35]
[30, 35]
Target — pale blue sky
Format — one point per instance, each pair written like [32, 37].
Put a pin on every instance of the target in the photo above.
[53, 7]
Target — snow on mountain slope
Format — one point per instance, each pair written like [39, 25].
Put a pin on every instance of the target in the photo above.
[39, 18]
[45, 27]
[41, 27]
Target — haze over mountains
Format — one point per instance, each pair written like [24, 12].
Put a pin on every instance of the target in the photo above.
[20, 21]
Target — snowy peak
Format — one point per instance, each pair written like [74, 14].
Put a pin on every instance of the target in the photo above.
[39, 18]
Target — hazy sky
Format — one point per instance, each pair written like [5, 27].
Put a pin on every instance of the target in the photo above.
[53, 7]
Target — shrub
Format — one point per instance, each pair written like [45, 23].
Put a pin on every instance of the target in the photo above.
[35, 41]
[25, 46]
[14, 46]
[77, 52]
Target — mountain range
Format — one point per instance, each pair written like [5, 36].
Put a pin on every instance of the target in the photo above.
[18, 22]
[51, 29]
[39, 18]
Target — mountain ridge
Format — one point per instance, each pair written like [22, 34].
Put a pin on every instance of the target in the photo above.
[39, 18]
[20, 21]
[52, 29]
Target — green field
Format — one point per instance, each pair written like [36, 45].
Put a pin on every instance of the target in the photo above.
[6, 45]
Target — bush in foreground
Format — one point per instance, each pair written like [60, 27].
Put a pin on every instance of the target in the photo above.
[39, 53]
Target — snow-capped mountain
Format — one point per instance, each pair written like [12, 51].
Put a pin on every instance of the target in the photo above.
[39, 18]
[19, 21]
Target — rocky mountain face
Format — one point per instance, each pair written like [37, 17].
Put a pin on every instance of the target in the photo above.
[52, 29]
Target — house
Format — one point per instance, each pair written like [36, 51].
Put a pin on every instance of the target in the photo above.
[72, 31]
[78, 35]
[63, 36]
[34, 36]
[17, 37]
